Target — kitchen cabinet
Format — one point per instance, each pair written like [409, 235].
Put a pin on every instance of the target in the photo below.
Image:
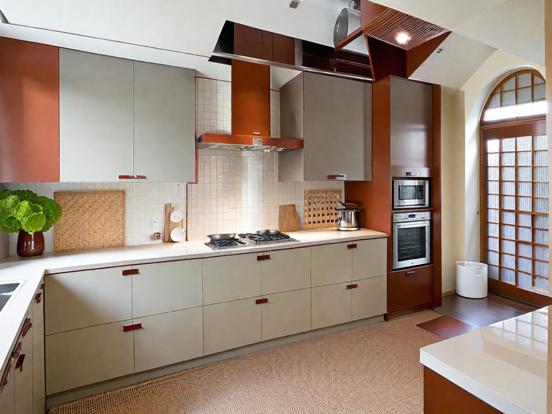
[168, 338]
[410, 288]
[286, 314]
[94, 354]
[261, 44]
[230, 325]
[231, 277]
[164, 123]
[369, 258]
[331, 305]
[81, 299]
[369, 298]
[39, 385]
[126, 119]
[7, 389]
[166, 287]
[285, 270]
[333, 117]
[331, 263]
[29, 110]
[96, 117]
[23, 369]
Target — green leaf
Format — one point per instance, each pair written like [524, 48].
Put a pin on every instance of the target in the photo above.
[51, 209]
[5, 193]
[34, 222]
[26, 195]
[9, 225]
[9, 206]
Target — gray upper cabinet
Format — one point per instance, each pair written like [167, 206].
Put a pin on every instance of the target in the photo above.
[334, 117]
[120, 119]
[96, 106]
[164, 124]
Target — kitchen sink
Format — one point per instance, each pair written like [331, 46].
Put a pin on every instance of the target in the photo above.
[7, 290]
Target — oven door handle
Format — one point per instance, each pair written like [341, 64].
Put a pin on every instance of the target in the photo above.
[411, 224]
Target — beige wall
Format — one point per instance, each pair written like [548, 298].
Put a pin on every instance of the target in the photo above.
[460, 159]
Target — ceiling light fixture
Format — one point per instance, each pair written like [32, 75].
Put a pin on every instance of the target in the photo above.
[402, 38]
[295, 3]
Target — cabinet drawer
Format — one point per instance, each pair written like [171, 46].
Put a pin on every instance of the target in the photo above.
[369, 258]
[166, 287]
[86, 356]
[230, 278]
[409, 288]
[331, 305]
[23, 372]
[168, 338]
[80, 299]
[369, 298]
[285, 270]
[231, 325]
[286, 313]
[331, 264]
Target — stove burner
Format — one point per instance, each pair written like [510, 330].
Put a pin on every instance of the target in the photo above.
[266, 236]
[224, 243]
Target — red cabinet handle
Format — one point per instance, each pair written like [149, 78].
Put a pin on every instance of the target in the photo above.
[5, 375]
[263, 257]
[410, 273]
[20, 361]
[38, 297]
[132, 327]
[352, 246]
[130, 272]
[131, 177]
[261, 301]
[17, 350]
[352, 286]
[27, 325]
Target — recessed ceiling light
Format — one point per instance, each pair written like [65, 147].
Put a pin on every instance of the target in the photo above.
[403, 38]
[295, 3]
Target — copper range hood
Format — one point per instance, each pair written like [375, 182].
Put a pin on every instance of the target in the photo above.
[250, 114]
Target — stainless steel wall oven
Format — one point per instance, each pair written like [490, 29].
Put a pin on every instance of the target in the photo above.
[411, 239]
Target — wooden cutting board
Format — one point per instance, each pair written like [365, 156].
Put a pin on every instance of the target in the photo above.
[90, 220]
[288, 219]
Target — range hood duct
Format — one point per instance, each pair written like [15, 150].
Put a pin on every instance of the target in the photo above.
[348, 20]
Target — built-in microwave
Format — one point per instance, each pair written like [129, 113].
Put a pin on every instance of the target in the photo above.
[410, 193]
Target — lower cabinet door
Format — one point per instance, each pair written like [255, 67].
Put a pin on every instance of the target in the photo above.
[369, 298]
[6, 390]
[39, 386]
[23, 374]
[286, 314]
[331, 305]
[231, 325]
[89, 355]
[168, 338]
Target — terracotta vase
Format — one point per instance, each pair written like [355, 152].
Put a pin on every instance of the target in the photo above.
[29, 245]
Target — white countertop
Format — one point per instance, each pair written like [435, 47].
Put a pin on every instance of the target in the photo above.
[30, 271]
[504, 364]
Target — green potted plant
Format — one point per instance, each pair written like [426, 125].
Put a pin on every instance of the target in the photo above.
[29, 214]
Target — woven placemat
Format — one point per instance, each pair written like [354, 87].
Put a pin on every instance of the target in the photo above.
[90, 220]
[319, 208]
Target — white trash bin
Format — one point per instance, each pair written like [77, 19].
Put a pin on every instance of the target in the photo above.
[471, 279]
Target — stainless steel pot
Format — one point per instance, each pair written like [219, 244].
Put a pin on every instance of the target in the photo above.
[347, 216]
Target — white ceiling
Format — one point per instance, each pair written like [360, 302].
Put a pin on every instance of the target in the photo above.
[516, 26]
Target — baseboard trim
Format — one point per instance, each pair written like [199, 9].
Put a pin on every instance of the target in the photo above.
[449, 293]
[116, 383]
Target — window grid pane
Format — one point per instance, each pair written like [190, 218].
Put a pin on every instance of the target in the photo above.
[517, 210]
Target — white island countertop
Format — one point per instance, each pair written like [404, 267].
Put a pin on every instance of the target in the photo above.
[30, 271]
[504, 364]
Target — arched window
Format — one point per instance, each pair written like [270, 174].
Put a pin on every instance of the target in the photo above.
[514, 187]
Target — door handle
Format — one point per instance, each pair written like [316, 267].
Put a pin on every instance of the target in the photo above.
[410, 273]
[263, 257]
[352, 286]
[130, 272]
[132, 177]
[5, 375]
[132, 327]
[352, 246]
[339, 177]
[27, 325]
[261, 301]
[20, 362]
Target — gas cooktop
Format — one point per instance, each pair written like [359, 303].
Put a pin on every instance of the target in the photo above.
[245, 239]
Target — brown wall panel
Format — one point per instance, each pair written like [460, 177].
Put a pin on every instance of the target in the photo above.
[250, 98]
[436, 195]
[29, 112]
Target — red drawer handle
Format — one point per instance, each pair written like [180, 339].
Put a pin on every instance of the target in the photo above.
[133, 327]
[38, 297]
[27, 325]
[19, 363]
[410, 273]
[352, 286]
[131, 177]
[352, 246]
[261, 301]
[263, 257]
[130, 272]
[5, 375]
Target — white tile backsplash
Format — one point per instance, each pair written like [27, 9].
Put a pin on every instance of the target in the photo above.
[145, 206]
[213, 106]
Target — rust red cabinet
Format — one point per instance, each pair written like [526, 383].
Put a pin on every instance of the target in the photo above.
[29, 112]
[261, 44]
[408, 289]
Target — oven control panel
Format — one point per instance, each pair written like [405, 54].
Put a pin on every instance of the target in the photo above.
[416, 216]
